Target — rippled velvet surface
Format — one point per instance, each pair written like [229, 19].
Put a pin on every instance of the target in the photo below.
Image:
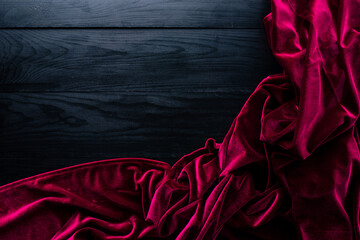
[287, 169]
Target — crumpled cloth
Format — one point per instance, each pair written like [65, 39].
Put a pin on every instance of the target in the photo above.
[287, 169]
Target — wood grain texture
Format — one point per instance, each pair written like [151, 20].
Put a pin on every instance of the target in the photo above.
[46, 131]
[133, 13]
[118, 60]
[163, 76]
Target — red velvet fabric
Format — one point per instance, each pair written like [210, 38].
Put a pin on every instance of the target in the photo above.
[287, 169]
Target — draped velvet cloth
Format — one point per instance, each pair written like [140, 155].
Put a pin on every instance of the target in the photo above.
[287, 169]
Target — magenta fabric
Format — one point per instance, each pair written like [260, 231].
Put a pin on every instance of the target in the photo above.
[287, 169]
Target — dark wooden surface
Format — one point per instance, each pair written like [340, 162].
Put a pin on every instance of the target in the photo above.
[91, 80]
[133, 60]
[134, 13]
[52, 130]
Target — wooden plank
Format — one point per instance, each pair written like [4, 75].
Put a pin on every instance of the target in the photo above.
[113, 60]
[133, 13]
[45, 131]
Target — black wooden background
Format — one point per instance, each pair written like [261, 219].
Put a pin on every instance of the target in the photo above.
[97, 79]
